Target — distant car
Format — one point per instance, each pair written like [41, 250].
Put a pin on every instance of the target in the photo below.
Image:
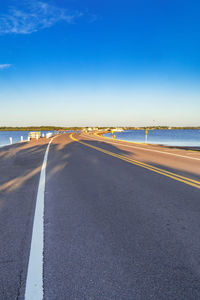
[49, 134]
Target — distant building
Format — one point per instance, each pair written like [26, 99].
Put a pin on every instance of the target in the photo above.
[34, 135]
[117, 129]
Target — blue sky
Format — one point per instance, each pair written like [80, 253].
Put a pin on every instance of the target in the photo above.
[85, 63]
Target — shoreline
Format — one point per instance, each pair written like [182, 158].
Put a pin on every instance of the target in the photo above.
[55, 128]
[188, 148]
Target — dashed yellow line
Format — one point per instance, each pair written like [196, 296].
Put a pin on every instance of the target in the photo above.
[174, 176]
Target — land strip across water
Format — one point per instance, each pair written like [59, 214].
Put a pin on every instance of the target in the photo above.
[121, 220]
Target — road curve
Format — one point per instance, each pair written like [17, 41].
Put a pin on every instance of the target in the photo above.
[120, 222]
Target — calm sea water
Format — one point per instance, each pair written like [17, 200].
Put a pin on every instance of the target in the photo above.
[16, 136]
[178, 137]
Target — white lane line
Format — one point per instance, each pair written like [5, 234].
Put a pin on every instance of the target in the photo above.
[131, 146]
[34, 281]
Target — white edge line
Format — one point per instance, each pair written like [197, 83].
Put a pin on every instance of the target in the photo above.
[34, 280]
[130, 146]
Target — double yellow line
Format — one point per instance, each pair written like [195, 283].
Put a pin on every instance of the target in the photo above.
[174, 176]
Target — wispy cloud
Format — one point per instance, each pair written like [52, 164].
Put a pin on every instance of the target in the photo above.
[4, 66]
[34, 16]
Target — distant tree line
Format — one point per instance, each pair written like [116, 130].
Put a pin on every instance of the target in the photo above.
[161, 127]
[52, 128]
[38, 128]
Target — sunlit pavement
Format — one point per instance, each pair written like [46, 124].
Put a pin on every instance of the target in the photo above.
[112, 229]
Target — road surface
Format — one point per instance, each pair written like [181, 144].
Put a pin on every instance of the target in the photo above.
[121, 220]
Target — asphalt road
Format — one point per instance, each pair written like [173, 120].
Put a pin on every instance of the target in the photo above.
[113, 228]
[20, 166]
